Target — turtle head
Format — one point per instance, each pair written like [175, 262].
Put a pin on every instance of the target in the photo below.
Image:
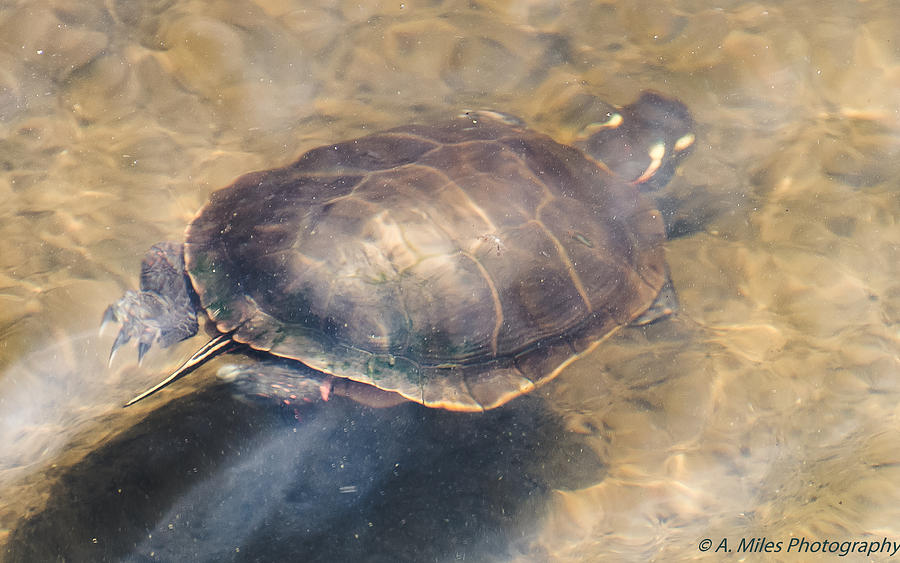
[643, 142]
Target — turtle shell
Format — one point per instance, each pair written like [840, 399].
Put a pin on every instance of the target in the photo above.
[459, 264]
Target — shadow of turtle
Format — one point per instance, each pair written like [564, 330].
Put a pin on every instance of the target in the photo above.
[211, 478]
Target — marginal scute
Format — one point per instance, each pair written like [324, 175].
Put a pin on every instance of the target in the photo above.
[539, 362]
[460, 264]
[447, 390]
[496, 383]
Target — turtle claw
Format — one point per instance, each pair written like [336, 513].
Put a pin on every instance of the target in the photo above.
[142, 349]
[122, 338]
[109, 316]
[162, 311]
[148, 318]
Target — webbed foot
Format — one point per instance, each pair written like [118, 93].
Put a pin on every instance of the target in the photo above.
[162, 311]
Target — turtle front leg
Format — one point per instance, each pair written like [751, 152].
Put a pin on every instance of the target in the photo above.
[163, 309]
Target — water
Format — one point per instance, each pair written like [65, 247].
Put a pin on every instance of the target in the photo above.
[765, 408]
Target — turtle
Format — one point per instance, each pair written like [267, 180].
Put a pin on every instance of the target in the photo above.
[457, 264]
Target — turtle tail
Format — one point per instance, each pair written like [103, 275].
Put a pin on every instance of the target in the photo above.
[214, 347]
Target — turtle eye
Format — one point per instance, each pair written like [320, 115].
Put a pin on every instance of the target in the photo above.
[614, 121]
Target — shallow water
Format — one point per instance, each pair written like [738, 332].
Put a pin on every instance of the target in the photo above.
[767, 407]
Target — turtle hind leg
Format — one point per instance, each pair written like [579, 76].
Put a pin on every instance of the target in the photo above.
[290, 385]
[163, 310]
